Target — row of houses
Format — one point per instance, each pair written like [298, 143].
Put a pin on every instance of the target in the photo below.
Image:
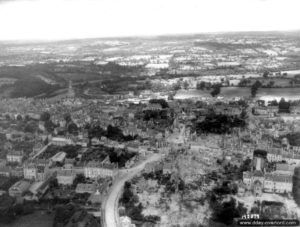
[279, 155]
[273, 110]
[266, 110]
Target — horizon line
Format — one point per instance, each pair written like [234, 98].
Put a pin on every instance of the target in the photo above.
[144, 36]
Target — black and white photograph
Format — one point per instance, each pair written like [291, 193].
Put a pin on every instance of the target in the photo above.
[149, 113]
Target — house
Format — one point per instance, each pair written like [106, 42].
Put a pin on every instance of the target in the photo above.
[266, 110]
[82, 142]
[15, 156]
[30, 171]
[153, 107]
[2, 163]
[96, 198]
[94, 169]
[61, 141]
[284, 168]
[5, 171]
[272, 109]
[278, 183]
[228, 110]
[86, 188]
[168, 168]
[69, 163]
[65, 176]
[291, 158]
[37, 190]
[36, 171]
[19, 188]
[17, 172]
[274, 155]
[59, 157]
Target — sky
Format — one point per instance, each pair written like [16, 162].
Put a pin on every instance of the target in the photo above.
[69, 19]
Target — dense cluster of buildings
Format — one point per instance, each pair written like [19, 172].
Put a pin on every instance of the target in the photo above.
[259, 180]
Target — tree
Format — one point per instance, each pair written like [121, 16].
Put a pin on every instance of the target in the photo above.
[244, 114]
[244, 82]
[227, 211]
[216, 90]
[26, 118]
[148, 84]
[274, 103]
[79, 179]
[164, 104]
[53, 183]
[30, 127]
[254, 88]
[72, 128]
[185, 85]
[284, 106]
[49, 126]
[63, 214]
[7, 117]
[176, 86]
[19, 117]
[266, 74]
[171, 97]
[45, 116]
[271, 83]
[201, 85]
[67, 117]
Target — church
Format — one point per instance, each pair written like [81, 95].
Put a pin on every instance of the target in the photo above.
[258, 180]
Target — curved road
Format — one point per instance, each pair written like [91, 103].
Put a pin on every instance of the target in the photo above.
[110, 205]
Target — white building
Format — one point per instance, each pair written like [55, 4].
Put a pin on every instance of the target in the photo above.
[65, 176]
[95, 169]
[59, 157]
[30, 171]
[61, 141]
[15, 156]
[269, 182]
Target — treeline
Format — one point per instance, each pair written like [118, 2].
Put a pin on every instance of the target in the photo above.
[70, 150]
[228, 46]
[215, 88]
[31, 87]
[72, 215]
[9, 210]
[219, 124]
[124, 84]
[112, 133]
[283, 105]
[119, 156]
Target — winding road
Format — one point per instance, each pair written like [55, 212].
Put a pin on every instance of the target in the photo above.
[110, 205]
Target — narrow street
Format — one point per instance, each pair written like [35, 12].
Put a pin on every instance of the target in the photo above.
[110, 205]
